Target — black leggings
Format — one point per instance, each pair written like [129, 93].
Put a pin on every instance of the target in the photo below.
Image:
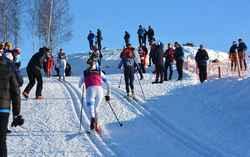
[129, 79]
[4, 117]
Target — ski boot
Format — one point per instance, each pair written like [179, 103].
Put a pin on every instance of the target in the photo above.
[26, 95]
[92, 124]
[127, 96]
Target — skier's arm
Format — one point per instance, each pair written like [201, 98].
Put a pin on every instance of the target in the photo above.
[137, 65]
[105, 80]
[81, 81]
[121, 63]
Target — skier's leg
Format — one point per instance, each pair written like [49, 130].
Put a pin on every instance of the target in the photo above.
[31, 81]
[126, 78]
[39, 86]
[98, 100]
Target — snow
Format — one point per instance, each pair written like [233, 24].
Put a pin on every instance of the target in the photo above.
[178, 118]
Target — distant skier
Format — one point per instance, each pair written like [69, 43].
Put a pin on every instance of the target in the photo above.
[151, 34]
[128, 64]
[99, 39]
[140, 33]
[94, 92]
[232, 55]
[34, 72]
[179, 58]
[126, 38]
[62, 66]
[201, 58]
[242, 55]
[91, 38]
[158, 61]
[169, 62]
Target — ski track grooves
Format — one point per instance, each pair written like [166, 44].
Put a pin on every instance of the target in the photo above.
[167, 127]
[96, 140]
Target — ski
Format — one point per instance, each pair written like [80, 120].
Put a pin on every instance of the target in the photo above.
[99, 133]
[134, 98]
[127, 98]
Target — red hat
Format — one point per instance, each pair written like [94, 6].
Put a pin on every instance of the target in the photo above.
[201, 46]
[2, 44]
[17, 50]
[61, 50]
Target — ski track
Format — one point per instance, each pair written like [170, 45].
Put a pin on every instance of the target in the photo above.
[100, 145]
[168, 128]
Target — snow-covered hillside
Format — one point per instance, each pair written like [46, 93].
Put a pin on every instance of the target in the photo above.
[178, 118]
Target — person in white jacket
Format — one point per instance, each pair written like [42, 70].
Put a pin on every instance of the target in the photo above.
[94, 92]
[62, 64]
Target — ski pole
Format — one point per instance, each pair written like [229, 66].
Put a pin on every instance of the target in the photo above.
[115, 114]
[81, 109]
[141, 87]
[120, 82]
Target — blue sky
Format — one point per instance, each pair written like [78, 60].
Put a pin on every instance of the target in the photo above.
[214, 23]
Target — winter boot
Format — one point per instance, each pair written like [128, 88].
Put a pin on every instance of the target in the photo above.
[64, 78]
[8, 131]
[161, 81]
[97, 126]
[165, 79]
[155, 82]
[39, 97]
[26, 95]
[92, 124]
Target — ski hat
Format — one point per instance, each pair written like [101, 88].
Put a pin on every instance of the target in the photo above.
[201, 46]
[8, 55]
[169, 45]
[240, 39]
[17, 50]
[9, 46]
[61, 50]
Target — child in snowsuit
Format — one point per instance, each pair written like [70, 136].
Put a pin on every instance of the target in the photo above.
[94, 92]
[128, 63]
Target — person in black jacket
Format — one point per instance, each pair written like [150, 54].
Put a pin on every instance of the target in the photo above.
[158, 61]
[127, 38]
[151, 34]
[99, 39]
[34, 72]
[201, 58]
[179, 58]
[232, 55]
[9, 91]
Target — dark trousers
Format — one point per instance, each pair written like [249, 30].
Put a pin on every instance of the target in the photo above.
[140, 70]
[91, 42]
[126, 42]
[99, 45]
[34, 75]
[140, 40]
[144, 40]
[142, 66]
[179, 66]
[170, 65]
[4, 117]
[129, 78]
[159, 71]
[57, 71]
[202, 73]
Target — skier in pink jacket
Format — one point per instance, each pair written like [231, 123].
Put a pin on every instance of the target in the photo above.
[94, 92]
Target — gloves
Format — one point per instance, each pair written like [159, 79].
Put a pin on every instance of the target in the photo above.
[17, 121]
[107, 98]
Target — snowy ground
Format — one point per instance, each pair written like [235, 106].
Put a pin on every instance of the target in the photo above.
[178, 118]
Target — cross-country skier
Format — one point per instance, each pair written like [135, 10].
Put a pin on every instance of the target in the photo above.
[63, 61]
[128, 62]
[34, 72]
[201, 58]
[94, 92]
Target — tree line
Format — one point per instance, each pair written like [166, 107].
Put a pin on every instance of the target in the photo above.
[46, 22]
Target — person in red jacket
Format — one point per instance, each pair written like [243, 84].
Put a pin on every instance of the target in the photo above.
[169, 58]
[49, 63]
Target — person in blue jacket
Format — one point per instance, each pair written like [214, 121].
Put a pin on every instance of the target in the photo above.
[179, 58]
[140, 33]
[91, 38]
[201, 58]
[129, 62]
